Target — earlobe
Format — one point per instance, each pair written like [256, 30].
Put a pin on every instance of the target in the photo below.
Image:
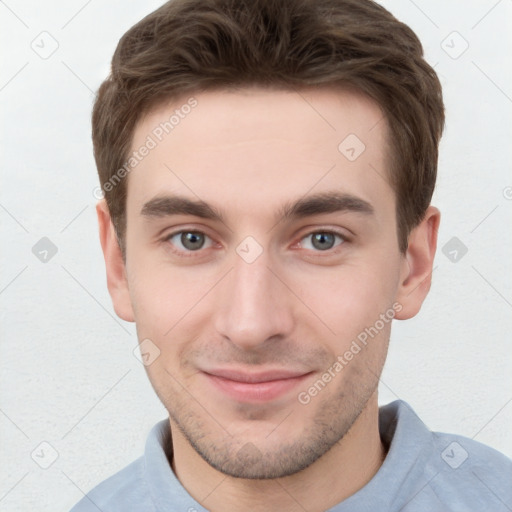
[117, 282]
[417, 265]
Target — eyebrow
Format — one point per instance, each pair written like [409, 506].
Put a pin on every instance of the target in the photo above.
[164, 206]
[327, 202]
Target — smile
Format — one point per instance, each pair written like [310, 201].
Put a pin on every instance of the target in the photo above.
[259, 387]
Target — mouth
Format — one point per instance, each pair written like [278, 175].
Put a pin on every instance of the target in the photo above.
[257, 387]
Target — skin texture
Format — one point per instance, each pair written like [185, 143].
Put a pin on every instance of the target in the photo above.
[298, 308]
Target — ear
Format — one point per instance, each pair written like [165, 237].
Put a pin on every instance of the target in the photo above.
[116, 270]
[416, 274]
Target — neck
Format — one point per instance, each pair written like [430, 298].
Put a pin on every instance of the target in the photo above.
[338, 474]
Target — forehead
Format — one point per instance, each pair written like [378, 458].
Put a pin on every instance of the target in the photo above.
[253, 146]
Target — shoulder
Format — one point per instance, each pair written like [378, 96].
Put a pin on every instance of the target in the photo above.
[442, 471]
[466, 475]
[124, 491]
[463, 457]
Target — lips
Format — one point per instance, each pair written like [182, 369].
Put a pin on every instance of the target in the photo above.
[246, 386]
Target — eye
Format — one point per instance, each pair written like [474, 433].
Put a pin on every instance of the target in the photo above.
[321, 240]
[189, 241]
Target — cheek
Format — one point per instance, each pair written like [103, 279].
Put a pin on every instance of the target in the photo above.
[162, 297]
[351, 298]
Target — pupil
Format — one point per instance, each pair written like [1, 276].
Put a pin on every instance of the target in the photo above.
[323, 241]
[192, 240]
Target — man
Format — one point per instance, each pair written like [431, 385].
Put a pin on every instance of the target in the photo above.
[268, 168]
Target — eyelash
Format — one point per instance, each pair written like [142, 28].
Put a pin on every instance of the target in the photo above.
[181, 252]
[328, 252]
[188, 253]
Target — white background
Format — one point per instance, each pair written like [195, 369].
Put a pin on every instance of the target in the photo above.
[68, 373]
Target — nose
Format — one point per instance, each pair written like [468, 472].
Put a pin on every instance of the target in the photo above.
[254, 307]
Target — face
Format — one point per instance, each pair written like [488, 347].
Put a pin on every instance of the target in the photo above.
[261, 251]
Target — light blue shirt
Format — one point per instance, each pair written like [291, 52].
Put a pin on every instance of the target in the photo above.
[423, 471]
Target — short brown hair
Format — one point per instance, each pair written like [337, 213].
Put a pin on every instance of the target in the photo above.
[189, 46]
